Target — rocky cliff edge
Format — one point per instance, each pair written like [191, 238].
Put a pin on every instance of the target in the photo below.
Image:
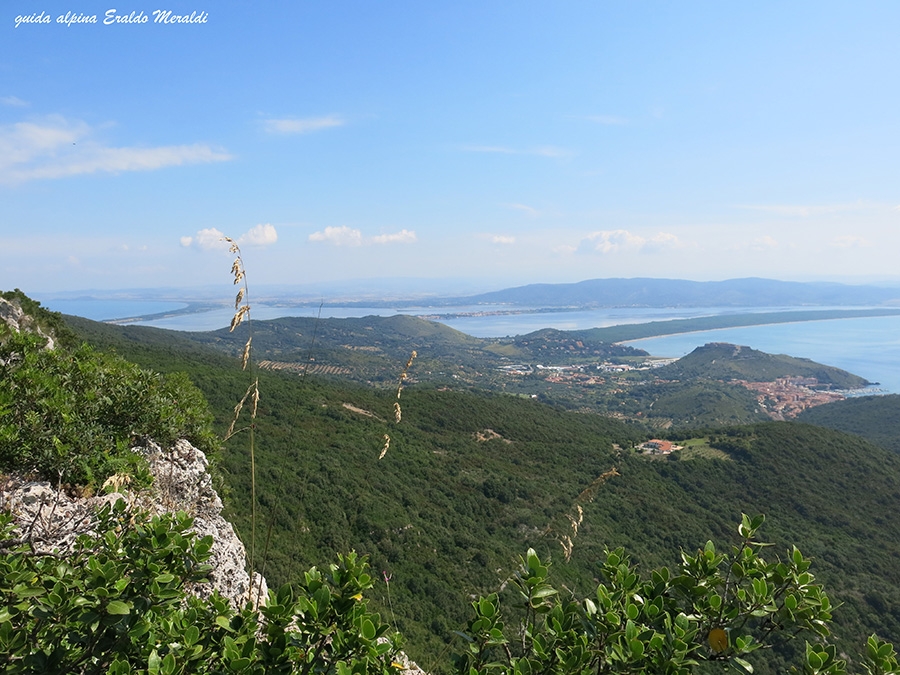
[181, 482]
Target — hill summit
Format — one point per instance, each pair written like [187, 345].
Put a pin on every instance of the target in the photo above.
[725, 361]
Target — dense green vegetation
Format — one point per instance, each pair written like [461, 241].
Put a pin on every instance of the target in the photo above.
[875, 418]
[472, 478]
[119, 603]
[701, 404]
[367, 349]
[72, 415]
[715, 608]
[445, 514]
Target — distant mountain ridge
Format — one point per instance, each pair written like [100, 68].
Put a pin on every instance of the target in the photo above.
[645, 292]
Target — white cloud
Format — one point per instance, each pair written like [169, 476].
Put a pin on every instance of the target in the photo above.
[259, 235]
[13, 101]
[211, 238]
[401, 237]
[661, 242]
[208, 239]
[56, 148]
[612, 241]
[306, 125]
[502, 239]
[850, 241]
[339, 236]
[348, 236]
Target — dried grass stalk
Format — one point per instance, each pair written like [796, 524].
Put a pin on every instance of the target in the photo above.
[239, 317]
[254, 399]
[253, 390]
[245, 357]
[405, 372]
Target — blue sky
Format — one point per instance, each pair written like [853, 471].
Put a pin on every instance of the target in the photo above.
[504, 142]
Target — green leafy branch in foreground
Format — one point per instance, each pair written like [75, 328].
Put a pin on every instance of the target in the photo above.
[713, 608]
[119, 604]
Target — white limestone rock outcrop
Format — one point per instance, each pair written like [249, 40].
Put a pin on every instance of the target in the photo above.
[53, 520]
[14, 316]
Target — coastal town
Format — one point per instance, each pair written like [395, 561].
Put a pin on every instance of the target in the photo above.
[787, 397]
[780, 399]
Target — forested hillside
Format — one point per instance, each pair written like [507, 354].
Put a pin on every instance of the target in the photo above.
[471, 479]
[876, 418]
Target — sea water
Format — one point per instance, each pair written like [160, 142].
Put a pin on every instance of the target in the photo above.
[109, 310]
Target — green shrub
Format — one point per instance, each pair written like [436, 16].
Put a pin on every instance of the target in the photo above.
[72, 415]
[713, 608]
[118, 604]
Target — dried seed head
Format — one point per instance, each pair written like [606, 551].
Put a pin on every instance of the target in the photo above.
[238, 317]
[567, 546]
[397, 412]
[387, 444]
[234, 418]
[117, 481]
[252, 389]
[245, 357]
[404, 374]
[255, 399]
[238, 298]
[239, 406]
